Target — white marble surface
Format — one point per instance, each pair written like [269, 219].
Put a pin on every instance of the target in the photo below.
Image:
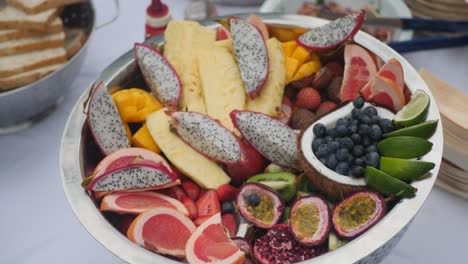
[37, 225]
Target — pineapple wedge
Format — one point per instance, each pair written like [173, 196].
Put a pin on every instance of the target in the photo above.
[194, 165]
[222, 85]
[183, 41]
[268, 101]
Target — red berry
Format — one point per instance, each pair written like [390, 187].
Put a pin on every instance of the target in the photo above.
[227, 193]
[191, 207]
[208, 204]
[201, 219]
[229, 222]
[308, 98]
[175, 192]
[191, 189]
[326, 107]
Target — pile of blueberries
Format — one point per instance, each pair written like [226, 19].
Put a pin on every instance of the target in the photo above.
[351, 145]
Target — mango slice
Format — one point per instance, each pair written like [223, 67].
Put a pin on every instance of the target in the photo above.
[135, 104]
[301, 54]
[143, 139]
[292, 65]
[307, 69]
[289, 47]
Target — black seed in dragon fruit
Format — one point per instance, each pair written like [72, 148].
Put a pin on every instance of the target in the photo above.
[159, 75]
[105, 123]
[251, 55]
[332, 34]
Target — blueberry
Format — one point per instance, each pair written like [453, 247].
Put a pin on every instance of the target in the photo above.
[375, 119]
[370, 111]
[342, 168]
[227, 208]
[332, 161]
[316, 143]
[358, 151]
[346, 143]
[328, 139]
[253, 200]
[352, 129]
[366, 141]
[372, 159]
[341, 121]
[356, 138]
[322, 151]
[359, 162]
[342, 154]
[331, 132]
[333, 146]
[319, 130]
[355, 122]
[387, 126]
[358, 102]
[323, 160]
[363, 130]
[375, 132]
[341, 130]
[350, 159]
[365, 119]
[357, 171]
[371, 148]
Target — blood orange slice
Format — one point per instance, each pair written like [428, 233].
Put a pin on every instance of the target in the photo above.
[162, 230]
[211, 244]
[138, 202]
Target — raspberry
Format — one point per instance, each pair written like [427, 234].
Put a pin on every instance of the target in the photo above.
[308, 98]
[326, 107]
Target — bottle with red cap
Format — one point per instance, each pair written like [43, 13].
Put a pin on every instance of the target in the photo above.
[157, 18]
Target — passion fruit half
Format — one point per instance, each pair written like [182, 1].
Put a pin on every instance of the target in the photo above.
[357, 213]
[259, 204]
[309, 220]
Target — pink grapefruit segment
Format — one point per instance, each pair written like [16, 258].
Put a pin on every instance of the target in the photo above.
[211, 244]
[162, 230]
[138, 202]
[386, 93]
[391, 70]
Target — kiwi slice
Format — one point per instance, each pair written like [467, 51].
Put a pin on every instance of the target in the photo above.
[282, 182]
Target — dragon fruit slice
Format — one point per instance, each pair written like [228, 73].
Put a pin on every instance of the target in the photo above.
[273, 139]
[105, 123]
[136, 175]
[159, 74]
[207, 136]
[251, 55]
[333, 34]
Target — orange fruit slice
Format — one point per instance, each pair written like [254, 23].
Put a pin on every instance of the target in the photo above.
[211, 244]
[162, 230]
[138, 202]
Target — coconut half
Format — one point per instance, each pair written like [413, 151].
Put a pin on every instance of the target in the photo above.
[334, 185]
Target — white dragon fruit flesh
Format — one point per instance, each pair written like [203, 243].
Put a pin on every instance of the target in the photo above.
[104, 121]
[207, 136]
[332, 34]
[136, 175]
[159, 74]
[251, 55]
[273, 139]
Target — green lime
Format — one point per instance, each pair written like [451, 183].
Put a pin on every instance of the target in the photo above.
[386, 184]
[404, 147]
[423, 130]
[415, 111]
[403, 169]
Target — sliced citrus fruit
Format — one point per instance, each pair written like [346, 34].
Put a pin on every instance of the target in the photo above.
[404, 147]
[424, 130]
[211, 244]
[162, 230]
[138, 202]
[415, 111]
[403, 169]
[386, 184]
[385, 92]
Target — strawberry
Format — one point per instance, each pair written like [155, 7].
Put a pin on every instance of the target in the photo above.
[230, 224]
[175, 192]
[308, 98]
[201, 219]
[191, 189]
[191, 207]
[227, 192]
[208, 204]
[326, 107]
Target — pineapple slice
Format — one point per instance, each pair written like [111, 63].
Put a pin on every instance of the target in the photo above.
[143, 139]
[194, 165]
[183, 41]
[221, 81]
[268, 101]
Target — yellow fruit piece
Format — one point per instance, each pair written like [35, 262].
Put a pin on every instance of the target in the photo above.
[289, 47]
[143, 139]
[206, 173]
[301, 54]
[307, 69]
[291, 67]
[314, 57]
[127, 130]
[283, 34]
[135, 104]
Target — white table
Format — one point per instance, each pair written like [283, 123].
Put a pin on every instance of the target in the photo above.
[37, 225]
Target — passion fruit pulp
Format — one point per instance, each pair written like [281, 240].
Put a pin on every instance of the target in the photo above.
[259, 204]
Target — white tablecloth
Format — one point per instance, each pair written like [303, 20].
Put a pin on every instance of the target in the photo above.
[37, 225]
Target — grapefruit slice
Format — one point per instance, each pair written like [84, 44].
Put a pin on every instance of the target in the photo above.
[211, 244]
[359, 69]
[391, 70]
[138, 202]
[386, 93]
[162, 230]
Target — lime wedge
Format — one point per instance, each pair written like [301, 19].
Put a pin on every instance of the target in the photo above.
[403, 169]
[423, 130]
[404, 147]
[386, 184]
[415, 111]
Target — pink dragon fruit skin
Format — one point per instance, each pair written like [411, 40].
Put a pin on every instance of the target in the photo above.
[159, 75]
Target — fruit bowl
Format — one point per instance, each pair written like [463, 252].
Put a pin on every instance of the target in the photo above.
[78, 154]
